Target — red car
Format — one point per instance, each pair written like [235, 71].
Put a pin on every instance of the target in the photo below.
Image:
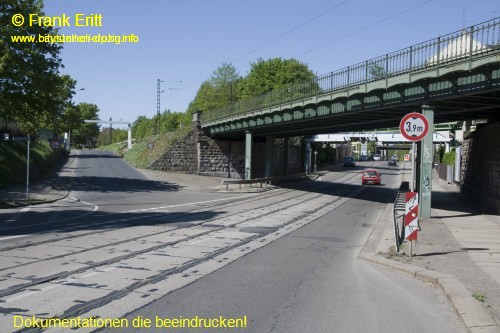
[371, 176]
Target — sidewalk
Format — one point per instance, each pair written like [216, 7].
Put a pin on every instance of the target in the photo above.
[458, 249]
[46, 190]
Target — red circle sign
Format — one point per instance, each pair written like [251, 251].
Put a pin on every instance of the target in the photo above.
[414, 126]
[55, 144]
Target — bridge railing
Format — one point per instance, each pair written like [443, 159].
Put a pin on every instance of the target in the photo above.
[468, 44]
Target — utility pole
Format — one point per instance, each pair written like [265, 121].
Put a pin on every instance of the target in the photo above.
[158, 92]
[110, 130]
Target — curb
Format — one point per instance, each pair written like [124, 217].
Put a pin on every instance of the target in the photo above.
[475, 318]
[33, 202]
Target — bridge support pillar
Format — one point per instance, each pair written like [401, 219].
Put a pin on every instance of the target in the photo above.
[426, 157]
[248, 155]
[269, 156]
[308, 157]
[285, 156]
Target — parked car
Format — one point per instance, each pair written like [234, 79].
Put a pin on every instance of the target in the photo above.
[392, 162]
[371, 176]
[349, 161]
[363, 158]
[377, 157]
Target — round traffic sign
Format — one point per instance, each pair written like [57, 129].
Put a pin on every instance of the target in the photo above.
[55, 144]
[414, 126]
[151, 145]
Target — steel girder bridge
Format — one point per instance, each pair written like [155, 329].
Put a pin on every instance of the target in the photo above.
[451, 78]
[457, 75]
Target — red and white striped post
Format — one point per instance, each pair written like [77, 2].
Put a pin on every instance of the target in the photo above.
[411, 218]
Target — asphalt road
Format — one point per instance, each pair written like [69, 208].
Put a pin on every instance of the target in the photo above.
[124, 245]
[311, 281]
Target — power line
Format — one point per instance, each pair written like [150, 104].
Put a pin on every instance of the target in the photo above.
[326, 44]
[290, 31]
[279, 37]
[365, 28]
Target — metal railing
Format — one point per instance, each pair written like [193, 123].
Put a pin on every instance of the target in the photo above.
[398, 213]
[467, 44]
[265, 180]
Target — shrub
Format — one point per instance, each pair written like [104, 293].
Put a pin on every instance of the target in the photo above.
[449, 158]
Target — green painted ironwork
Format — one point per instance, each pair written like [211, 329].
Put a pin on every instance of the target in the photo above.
[468, 44]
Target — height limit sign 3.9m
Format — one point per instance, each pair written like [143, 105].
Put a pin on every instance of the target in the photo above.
[414, 126]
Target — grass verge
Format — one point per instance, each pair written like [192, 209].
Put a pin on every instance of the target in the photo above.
[139, 155]
[13, 162]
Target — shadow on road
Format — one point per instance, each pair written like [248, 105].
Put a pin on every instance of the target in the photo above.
[83, 220]
[112, 184]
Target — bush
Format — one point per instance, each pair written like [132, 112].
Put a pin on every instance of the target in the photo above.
[449, 158]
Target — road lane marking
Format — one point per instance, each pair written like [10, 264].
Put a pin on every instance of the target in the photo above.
[201, 240]
[16, 215]
[31, 293]
[190, 203]
[96, 207]
[10, 237]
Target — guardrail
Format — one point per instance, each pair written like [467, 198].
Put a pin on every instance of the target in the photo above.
[464, 45]
[398, 213]
[265, 180]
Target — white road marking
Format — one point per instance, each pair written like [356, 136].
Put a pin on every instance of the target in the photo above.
[52, 222]
[21, 296]
[189, 203]
[10, 237]
[201, 240]
[16, 216]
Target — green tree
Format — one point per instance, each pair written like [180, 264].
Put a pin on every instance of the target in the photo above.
[273, 74]
[225, 80]
[142, 127]
[376, 71]
[171, 121]
[111, 135]
[205, 99]
[31, 90]
[85, 132]
[57, 119]
[371, 148]
[220, 90]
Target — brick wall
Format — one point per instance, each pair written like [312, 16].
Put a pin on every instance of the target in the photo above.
[481, 166]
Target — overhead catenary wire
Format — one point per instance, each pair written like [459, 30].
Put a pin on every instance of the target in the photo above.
[390, 17]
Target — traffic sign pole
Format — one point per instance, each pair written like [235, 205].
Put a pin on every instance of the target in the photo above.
[416, 127]
[412, 159]
[28, 170]
[150, 146]
[426, 155]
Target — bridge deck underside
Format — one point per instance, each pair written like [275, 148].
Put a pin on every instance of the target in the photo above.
[457, 96]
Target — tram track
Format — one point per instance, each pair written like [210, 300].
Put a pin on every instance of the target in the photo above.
[255, 209]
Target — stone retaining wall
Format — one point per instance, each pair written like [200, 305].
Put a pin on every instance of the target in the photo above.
[199, 154]
[481, 166]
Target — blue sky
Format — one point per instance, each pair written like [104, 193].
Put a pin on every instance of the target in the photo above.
[187, 40]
